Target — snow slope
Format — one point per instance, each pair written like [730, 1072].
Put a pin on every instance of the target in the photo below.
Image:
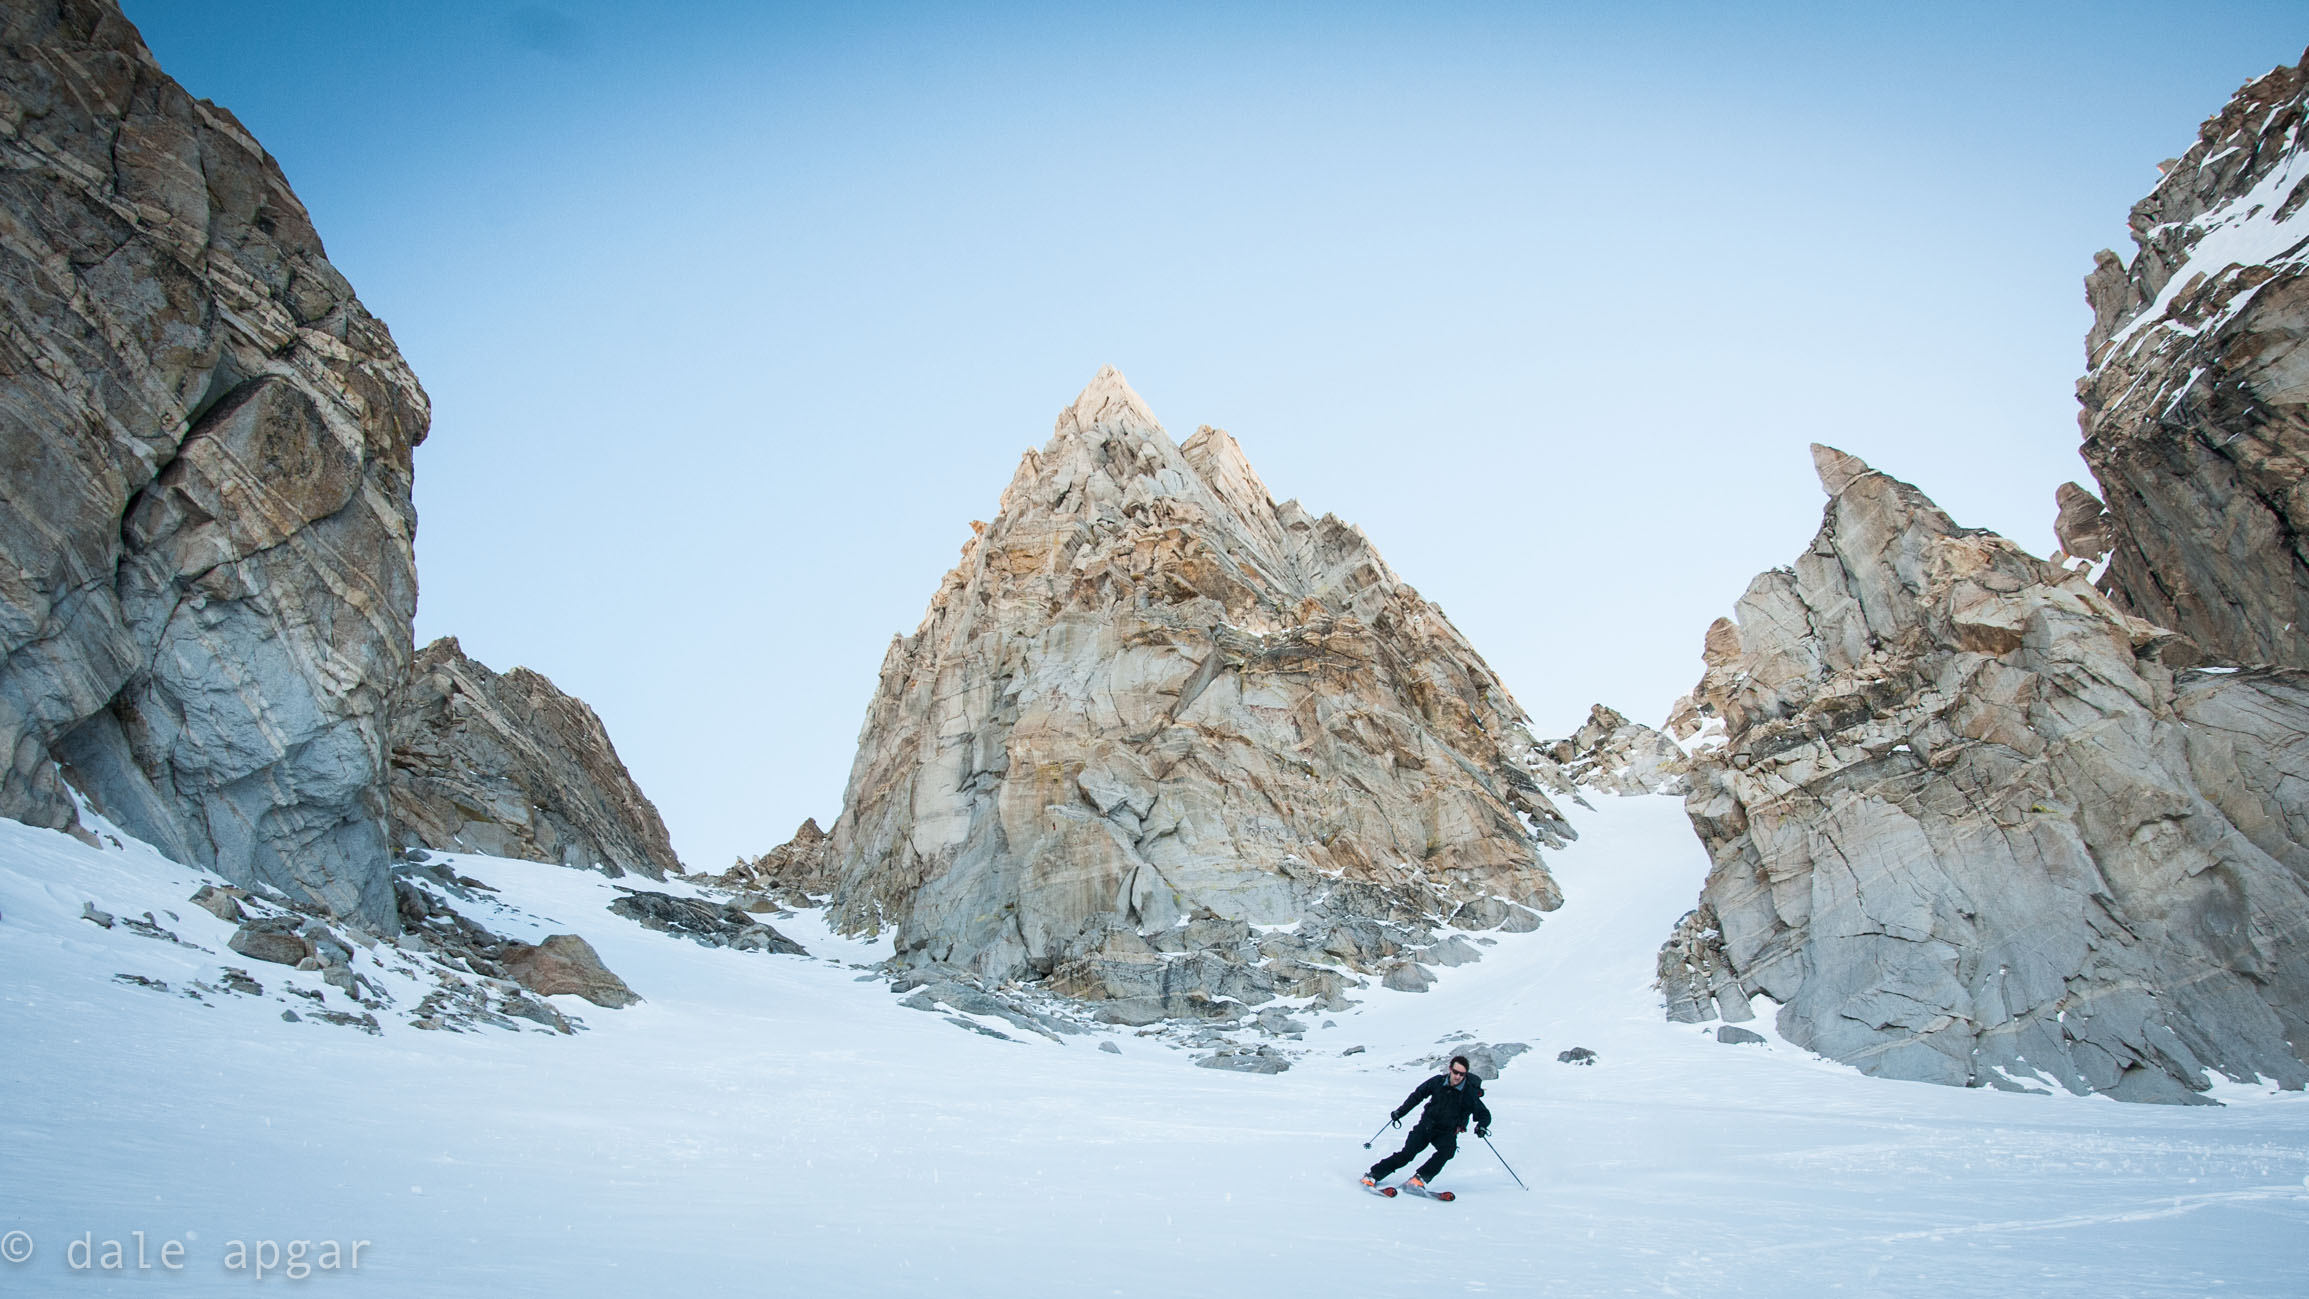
[782, 1125]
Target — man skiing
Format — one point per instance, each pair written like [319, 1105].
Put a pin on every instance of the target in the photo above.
[1452, 1098]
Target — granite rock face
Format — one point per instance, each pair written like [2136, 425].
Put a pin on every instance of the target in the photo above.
[1175, 747]
[2196, 405]
[510, 766]
[206, 578]
[1973, 824]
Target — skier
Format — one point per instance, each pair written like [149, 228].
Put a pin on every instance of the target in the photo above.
[1451, 1099]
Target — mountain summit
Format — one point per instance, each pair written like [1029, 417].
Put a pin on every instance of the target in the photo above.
[1151, 708]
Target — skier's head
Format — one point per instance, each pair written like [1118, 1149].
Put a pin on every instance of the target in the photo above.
[1458, 1068]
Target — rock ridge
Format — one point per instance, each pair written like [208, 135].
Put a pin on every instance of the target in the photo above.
[2196, 404]
[509, 766]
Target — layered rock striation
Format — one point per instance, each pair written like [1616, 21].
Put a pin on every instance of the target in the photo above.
[206, 578]
[2196, 405]
[1179, 749]
[510, 766]
[1973, 824]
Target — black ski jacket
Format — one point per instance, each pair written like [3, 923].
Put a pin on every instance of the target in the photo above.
[1448, 1107]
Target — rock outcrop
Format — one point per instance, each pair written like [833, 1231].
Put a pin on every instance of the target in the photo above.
[2081, 524]
[206, 578]
[794, 873]
[1177, 748]
[1973, 824]
[512, 767]
[2196, 406]
[708, 924]
[1616, 756]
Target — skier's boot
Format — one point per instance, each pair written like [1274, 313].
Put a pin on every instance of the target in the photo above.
[1417, 1184]
[1369, 1180]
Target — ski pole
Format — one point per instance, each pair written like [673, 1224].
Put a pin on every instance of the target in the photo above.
[1376, 1135]
[1503, 1162]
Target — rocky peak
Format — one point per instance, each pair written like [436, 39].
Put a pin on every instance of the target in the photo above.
[1107, 407]
[1973, 824]
[2196, 408]
[2235, 195]
[1150, 699]
[793, 873]
[1611, 754]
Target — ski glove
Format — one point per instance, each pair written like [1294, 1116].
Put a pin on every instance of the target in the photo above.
[1481, 1133]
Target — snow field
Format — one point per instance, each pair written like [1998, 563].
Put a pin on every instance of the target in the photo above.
[777, 1124]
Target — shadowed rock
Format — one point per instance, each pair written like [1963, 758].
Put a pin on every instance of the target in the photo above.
[206, 577]
[706, 923]
[2196, 406]
[512, 767]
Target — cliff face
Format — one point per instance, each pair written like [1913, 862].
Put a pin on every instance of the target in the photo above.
[512, 767]
[1973, 824]
[2196, 406]
[1149, 697]
[206, 578]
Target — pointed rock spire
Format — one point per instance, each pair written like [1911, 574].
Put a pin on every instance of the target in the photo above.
[1137, 704]
[1107, 402]
[1837, 469]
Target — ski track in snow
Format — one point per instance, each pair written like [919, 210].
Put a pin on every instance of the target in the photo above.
[777, 1124]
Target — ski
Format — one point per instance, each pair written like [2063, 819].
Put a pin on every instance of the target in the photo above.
[1387, 1191]
[1445, 1196]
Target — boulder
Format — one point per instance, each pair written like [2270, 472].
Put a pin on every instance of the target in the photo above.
[1974, 824]
[2081, 523]
[1410, 976]
[222, 903]
[565, 963]
[1245, 1060]
[273, 938]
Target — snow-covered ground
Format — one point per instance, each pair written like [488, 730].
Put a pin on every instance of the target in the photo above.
[773, 1125]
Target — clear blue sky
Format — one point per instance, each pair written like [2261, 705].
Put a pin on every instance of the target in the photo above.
[734, 316]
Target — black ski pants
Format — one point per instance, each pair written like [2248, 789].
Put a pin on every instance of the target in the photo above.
[1444, 1139]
